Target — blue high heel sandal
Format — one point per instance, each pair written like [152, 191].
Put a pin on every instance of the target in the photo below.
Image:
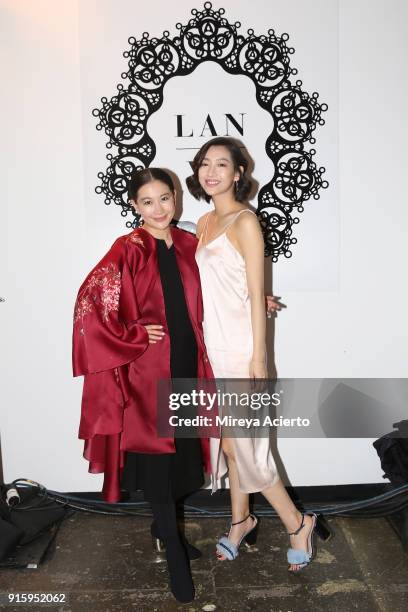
[296, 556]
[229, 550]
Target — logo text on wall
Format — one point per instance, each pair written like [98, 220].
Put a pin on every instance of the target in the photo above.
[228, 125]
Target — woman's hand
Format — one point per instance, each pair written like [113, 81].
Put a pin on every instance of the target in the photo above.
[257, 369]
[272, 305]
[155, 333]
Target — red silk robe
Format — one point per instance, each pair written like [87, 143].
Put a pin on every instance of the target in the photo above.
[111, 349]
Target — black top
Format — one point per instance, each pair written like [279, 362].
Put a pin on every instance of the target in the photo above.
[170, 476]
[183, 352]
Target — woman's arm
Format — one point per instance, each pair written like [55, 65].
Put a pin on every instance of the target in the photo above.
[103, 338]
[250, 243]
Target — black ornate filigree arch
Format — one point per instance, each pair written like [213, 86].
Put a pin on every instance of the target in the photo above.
[265, 60]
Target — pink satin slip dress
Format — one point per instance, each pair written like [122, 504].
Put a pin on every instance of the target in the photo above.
[228, 338]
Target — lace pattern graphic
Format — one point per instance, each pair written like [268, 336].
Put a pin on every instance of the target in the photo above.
[209, 36]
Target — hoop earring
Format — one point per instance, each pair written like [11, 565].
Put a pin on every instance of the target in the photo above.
[141, 221]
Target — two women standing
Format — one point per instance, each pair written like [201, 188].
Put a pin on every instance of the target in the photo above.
[138, 318]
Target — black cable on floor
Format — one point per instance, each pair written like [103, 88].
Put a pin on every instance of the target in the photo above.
[379, 506]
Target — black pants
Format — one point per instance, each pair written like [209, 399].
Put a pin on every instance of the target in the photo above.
[181, 583]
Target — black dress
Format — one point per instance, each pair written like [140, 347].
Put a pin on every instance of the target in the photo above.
[169, 476]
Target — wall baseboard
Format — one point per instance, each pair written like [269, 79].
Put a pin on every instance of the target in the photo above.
[322, 494]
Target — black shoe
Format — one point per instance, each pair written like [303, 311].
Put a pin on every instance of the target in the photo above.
[192, 552]
[181, 582]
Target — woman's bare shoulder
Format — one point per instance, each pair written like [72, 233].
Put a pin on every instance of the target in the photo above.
[247, 230]
[246, 221]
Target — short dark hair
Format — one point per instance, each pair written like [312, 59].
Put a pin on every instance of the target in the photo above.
[238, 159]
[145, 176]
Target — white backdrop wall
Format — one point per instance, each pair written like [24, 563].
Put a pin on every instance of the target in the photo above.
[344, 286]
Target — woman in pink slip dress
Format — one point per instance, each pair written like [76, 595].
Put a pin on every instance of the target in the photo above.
[230, 257]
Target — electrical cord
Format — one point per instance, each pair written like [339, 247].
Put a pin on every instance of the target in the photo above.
[378, 506]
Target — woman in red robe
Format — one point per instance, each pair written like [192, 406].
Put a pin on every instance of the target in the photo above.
[138, 319]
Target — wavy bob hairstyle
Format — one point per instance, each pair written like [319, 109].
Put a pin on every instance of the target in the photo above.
[244, 184]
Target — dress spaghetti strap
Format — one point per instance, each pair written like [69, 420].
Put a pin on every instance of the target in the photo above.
[203, 236]
[204, 232]
[235, 217]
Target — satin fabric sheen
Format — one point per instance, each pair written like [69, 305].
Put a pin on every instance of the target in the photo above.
[228, 337]
[112, 351]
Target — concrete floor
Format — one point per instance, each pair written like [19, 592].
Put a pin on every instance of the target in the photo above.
[108, 564]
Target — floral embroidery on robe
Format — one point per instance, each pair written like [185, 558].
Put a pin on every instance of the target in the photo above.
[108, 280]
[134, 237]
